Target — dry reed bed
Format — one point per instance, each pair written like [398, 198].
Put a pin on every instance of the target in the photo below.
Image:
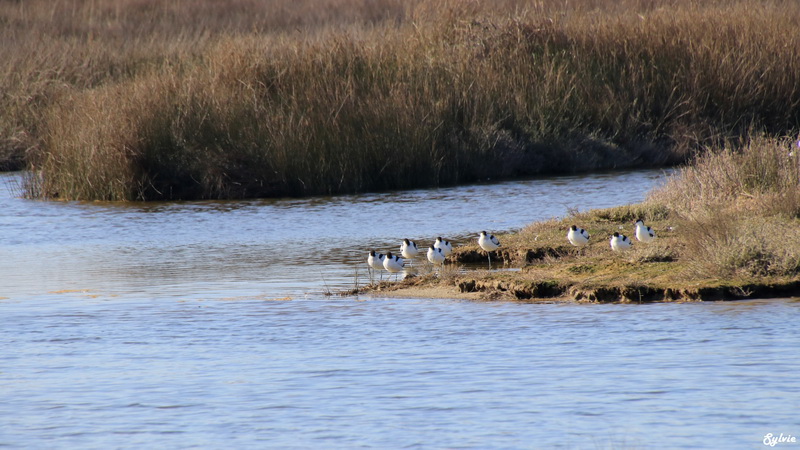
[739, 209]
[435, 93]
[50, 48]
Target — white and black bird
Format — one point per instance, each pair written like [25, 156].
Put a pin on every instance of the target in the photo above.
[577, 236]
[375, 261]
[393, 263]
[408, 249]
[446, 246]
[620, 242]
[643, 232]
[489, 243]
[436, 256]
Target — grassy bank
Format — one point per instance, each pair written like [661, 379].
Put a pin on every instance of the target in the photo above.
[430, 93]
[728, 227]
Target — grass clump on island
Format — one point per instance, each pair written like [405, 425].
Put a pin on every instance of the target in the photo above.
[429, 93]
[728, 227]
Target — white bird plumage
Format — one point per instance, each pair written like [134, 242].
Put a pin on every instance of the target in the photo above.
[436, 256]
[393, 263]
[620, 242]
[489, 243]
[446, 246]
[408, 249]
[643, 232]
[577, 236]
[375, 261]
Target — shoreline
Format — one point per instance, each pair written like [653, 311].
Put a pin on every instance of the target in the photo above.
[482, 291]
[544, 267]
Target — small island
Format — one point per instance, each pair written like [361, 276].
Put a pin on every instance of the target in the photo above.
[726, 228]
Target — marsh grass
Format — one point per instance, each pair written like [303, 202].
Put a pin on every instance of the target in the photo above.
[657, 251]
[726, 224]
[730, 214]
[739, 209]
[760, 176]
[386, 94]
[50, 48]
[731, 246]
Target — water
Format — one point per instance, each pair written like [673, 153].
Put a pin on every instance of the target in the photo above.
[203, 325]
[273, 248]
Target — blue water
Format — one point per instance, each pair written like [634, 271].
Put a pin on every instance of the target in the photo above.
[191, 325]
[396, 373]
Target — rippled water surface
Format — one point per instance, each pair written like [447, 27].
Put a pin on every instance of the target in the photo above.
[178, 325]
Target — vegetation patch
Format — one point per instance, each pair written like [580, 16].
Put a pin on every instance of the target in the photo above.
[125, 100]
[715, 243]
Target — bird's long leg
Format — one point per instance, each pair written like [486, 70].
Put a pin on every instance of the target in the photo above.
[489, 255]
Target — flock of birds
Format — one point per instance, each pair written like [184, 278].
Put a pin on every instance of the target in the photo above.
[436, 253]
[619, 242]
[441, 248]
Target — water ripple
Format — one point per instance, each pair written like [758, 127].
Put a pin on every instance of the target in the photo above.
[198, 325]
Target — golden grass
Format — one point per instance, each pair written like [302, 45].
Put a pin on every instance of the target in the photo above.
[760, 176]
[741, 208]
[54, 47]
[138, 100]
[727, 227]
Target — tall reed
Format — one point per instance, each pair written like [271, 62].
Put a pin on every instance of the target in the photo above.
[762, 176]
[52, 47]
[739, 209]
[450, 93]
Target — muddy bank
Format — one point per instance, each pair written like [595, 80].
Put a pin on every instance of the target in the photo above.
[544, 290]
[476, 288]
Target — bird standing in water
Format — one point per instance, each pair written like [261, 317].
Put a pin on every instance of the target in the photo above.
[446, 246]
[489, 243]
[375, 261]
[436, 256]
[393, 264]
[408, 249]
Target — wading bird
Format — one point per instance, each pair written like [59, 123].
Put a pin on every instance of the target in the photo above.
[620, 242]
[436, 256]
[577, 236]
[393, 264]
[644, 233]
[446, 246]
[408, 249]
[489, 243]
[375, 261]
